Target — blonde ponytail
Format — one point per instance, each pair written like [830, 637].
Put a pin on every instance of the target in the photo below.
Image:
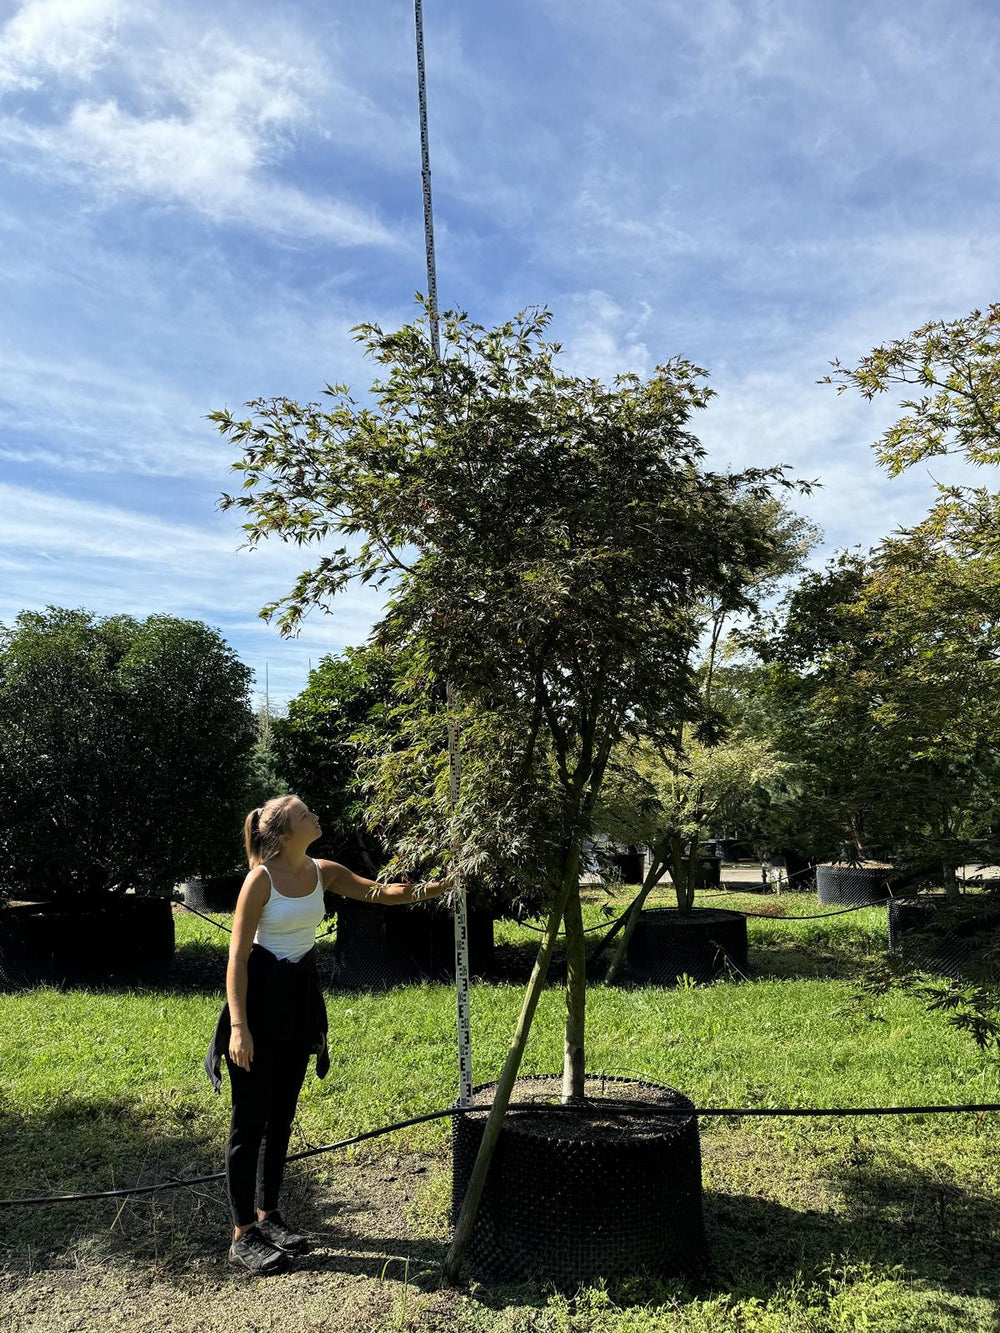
[263, 827]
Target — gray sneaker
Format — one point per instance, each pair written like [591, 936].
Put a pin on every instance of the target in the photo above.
[274, 1230]
[256, 1254]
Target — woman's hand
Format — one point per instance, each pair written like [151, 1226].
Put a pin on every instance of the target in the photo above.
[241, 1047]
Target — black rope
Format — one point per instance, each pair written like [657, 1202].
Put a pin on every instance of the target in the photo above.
[218, 924]
[601, 925]
[587, 1104]
[211, 921]
[820, 916]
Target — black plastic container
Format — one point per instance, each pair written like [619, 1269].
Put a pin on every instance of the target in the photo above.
[218, 894]
[572, 1197]
[122, 940]
[704, 944]
[378, 947]
[852, 886]
[938, 935]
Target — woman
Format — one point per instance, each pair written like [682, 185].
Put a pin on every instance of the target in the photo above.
[275, 1017]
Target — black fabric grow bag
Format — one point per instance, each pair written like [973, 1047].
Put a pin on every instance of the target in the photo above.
[113, 939]
[378, 947]
[704, 944]
[218, 894]
[575, 1196]
[937, 935]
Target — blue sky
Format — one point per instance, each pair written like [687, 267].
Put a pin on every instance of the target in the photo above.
[197, 202]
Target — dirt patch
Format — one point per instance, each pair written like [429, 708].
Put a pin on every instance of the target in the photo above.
[377, 1247]
[596, 1119]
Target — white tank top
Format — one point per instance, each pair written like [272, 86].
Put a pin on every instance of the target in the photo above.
[287, 926]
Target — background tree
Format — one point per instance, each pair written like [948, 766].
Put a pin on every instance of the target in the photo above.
[265, 777]
[668, 799]
[123, 753]
[955, 365]
[814, 708]
[545, 539]
[668, 793]
[316, 748]
[883, 679]
[791, 537]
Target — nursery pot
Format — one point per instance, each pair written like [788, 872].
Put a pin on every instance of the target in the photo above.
[704, 944]
[573, 1196]
[120, 939]
[852, 886]
[378, 947]
[934, 935]
[217, 894]
[629, 865]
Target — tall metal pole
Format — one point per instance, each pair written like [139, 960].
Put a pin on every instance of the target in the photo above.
[454, 741]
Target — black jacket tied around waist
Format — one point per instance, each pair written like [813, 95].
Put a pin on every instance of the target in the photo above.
[284, 1003]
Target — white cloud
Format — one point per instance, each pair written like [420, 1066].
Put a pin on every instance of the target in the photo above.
[602, 338]
[56, 550]
[213, 157]
[65, 38]
[97, 419]
[46, 524]
[764, 418]
[195, 117]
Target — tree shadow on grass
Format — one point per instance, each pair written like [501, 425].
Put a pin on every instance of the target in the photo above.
[84, 1145]
[821, 960]
[513, 964]
[907, 1222]
[931, 1230]
[783, 961]
[351, 1211]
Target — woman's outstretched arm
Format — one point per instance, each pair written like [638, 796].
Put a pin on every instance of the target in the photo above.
[338, 879]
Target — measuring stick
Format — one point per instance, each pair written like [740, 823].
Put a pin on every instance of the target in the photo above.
[461, 919]
[454, 741]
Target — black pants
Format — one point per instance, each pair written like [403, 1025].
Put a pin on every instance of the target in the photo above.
[264, 1101]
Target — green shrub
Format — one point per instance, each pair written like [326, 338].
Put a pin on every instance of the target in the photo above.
[123, 753]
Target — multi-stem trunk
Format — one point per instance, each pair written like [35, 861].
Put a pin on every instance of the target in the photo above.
[684, 870]
[477, 1181]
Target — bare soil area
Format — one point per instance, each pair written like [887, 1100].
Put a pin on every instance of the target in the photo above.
[378, 1232]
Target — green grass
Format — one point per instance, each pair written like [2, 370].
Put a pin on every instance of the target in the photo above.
[815, 1225]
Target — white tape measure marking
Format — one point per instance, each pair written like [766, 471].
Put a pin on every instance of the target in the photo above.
[461, 919]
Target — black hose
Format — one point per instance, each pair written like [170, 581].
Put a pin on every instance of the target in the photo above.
[587, 1104]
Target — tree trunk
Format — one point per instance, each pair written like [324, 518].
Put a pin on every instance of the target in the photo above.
[656, 867]
[470, 1204]
[684, 874]
[950, 880]
[576, 998]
